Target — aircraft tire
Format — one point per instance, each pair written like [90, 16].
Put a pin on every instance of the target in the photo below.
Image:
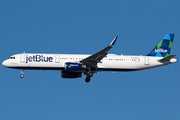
[21, 76]
[87, 79]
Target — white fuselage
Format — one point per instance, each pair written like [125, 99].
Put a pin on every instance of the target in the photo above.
[111, 62]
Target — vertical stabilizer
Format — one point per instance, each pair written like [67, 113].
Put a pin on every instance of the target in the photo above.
[164, 47]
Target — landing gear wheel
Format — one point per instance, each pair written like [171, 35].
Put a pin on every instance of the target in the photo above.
[87, 79]
[22, 72]
[90, 74]
[21, 76]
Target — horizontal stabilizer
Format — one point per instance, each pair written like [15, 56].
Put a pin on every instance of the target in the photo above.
[167, 58]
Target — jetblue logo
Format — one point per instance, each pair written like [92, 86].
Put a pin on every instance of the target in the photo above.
[160, 50]
[38, 58]
[72, 65]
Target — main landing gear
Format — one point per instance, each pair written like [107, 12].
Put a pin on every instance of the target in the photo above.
[22, 72]
[89, 75]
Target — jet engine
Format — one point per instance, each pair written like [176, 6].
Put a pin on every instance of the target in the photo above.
[74, 66]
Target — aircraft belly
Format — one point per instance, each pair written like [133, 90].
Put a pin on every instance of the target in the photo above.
[123, 66]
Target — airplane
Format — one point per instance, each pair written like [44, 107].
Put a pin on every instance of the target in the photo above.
[73, 65]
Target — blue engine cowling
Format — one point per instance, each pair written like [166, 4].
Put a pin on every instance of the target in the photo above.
[73, 66]
[69, 74]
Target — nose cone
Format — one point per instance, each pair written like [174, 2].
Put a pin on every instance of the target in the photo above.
[4, 63]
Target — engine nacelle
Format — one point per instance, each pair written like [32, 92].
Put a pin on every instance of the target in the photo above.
[74, 66]
[69, 74]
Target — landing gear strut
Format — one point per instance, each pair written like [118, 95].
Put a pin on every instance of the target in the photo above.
[22, 72]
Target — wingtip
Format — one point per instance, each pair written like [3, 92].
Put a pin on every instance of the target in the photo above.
[113, 42]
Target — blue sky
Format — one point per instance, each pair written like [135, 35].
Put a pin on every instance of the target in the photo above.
[86, 27]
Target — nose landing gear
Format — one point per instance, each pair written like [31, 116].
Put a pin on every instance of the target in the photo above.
[22, 72]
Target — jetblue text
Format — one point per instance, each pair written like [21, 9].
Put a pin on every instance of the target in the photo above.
[38, 58]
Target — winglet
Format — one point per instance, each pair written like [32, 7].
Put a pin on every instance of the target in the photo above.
[113, 42]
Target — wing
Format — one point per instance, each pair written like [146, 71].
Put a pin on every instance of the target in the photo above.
[97, 57]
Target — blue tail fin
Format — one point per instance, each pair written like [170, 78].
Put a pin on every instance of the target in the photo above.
[164, 47]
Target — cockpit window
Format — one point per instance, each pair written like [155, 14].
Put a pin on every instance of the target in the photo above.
[12, 58]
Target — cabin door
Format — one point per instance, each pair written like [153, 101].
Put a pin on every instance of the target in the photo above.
[57, 58]
[22, 57]
[146, 60]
